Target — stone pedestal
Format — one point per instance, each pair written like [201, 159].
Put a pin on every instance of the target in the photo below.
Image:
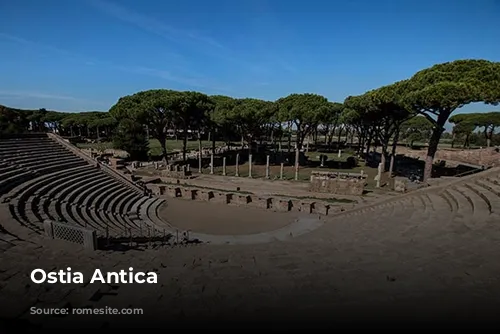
[400, 184]
[237, 164]
[250, 165]
[267, 167]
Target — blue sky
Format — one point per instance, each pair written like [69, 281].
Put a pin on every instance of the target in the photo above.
[86, 54]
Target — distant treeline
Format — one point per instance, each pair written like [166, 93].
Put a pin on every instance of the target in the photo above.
[91, 124]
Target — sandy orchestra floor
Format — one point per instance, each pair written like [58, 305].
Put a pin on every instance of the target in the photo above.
[220, 219]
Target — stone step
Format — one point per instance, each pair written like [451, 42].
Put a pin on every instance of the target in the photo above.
[480, 206]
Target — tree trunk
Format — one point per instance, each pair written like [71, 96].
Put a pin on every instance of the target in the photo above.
[249, 140]
[369, 142]
[340, 135]
[361, 143]
[383, 160]
[213, 142]
[289, 136]
[433, 144]
[297, 156]
[163, 143]
[393, 153]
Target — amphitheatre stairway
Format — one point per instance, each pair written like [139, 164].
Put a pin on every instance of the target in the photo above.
[464, 205]
[42, 179]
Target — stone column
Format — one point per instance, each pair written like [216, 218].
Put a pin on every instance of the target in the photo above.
[211, 163]
[267, 167]
[281, 170]
[379, 174]
[224, 166]
[237, 164]
[250, 165]
[199, 161]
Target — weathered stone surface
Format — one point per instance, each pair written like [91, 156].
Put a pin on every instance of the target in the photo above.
[282, 205]
[177, 172]
[400, 184]
[337, 183]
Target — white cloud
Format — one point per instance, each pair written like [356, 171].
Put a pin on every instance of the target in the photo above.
[37, 95]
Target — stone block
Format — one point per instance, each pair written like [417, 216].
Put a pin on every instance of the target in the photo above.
[172, 191]
[243, 199]
[269, 203]
[187, 193]
[295, 205]
[337, 183]
[259, 202]
[307, 207]
[400, 184]
[195, 194]
[282, 205]
[206, 195]
[220, 198]
[162, 190]
[322, 208]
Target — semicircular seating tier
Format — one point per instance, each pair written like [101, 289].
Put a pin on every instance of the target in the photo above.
[43, 179]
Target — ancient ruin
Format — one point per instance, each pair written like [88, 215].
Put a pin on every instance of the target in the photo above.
[338, 183]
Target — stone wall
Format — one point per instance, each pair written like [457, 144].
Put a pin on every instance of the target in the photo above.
[487, 157]
[337, 183]
[274, 203]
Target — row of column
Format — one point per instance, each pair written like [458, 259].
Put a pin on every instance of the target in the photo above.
[224, 173]
[237, 173]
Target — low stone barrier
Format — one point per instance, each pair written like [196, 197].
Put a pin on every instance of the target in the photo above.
[279, 204]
